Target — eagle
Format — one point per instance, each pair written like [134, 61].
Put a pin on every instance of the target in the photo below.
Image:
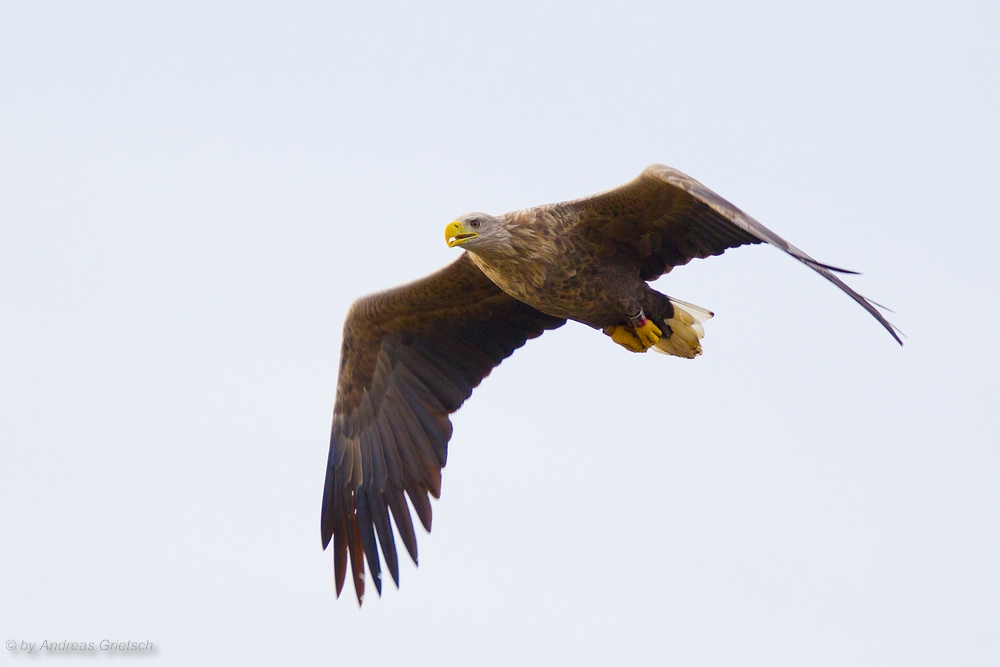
[412, 355]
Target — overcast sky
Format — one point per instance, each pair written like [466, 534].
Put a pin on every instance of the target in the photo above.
[192, 194]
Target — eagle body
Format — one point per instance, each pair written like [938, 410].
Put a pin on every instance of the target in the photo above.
[411, 355]
[549, 266]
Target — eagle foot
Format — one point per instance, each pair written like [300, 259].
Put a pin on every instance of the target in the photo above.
[626, 337]
[649, 334]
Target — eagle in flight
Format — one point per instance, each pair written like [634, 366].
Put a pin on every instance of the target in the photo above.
[413, 354]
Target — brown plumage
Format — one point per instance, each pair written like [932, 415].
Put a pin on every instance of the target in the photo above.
[413, 354]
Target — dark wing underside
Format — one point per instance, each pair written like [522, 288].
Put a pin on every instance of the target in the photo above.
[410, 357]
[665, 218]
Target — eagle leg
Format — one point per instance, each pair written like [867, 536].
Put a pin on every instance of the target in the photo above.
[648, 333]
[639, 337]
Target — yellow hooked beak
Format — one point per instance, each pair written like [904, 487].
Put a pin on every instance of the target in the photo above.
[456, 234]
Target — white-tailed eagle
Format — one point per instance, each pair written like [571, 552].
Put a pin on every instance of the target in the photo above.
[413, 354]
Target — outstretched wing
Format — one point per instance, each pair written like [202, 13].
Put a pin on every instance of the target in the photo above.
[665, 218]
[410, 357]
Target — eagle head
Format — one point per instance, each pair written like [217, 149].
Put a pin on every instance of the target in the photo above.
[475, 231]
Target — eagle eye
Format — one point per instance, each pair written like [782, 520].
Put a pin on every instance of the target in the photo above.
[475, 224]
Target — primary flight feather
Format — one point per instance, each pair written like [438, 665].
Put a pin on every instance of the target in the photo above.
[412, 355]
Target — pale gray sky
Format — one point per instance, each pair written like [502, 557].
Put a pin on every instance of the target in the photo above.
[191, 195]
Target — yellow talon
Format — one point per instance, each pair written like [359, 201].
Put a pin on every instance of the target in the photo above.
[649, 334]
[624, 337]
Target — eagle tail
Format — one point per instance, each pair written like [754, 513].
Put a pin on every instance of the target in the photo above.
[686, 330]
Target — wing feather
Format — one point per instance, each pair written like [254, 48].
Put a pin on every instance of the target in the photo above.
[410, 357]
[694, 222]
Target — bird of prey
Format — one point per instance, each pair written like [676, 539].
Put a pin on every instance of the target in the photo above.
[412, 355]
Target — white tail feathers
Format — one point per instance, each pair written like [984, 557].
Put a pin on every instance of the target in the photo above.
[685, 340]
